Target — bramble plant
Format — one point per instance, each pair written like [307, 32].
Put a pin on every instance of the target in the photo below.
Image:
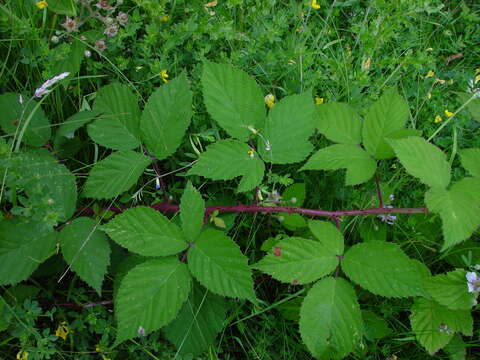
[179, 269]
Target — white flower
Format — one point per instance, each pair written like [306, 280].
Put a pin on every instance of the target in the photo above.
[20, 99]
[44, 89]
[141, 331]
[473, 282]
[157, 183]
[391, 197]
[87, 53]
[389, 219]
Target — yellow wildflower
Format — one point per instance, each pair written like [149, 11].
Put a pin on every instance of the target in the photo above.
[164, 18]
[477, 70]
[430, 74]
[438, 119]
[429, 96]
[448, 113]
[477, 78]
[164, 75]
[22, 355]
[42, 4]
[315, 5]
[319, 100]
[441, 81]
[251, 153]
[62, 330]
[269, 100]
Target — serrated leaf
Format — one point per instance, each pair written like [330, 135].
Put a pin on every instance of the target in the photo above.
[192, 212]
[118, 127]
[299, 261]
[198, 322]
[287, 128]
[383, 269]
[423, 160]
[15, 114]
[375, 326]
[71, 62]
[73, 123]
[470, 159]
[86, 251]
[23, 247]
[166, 117]
[360, 166]
[434, 324]
[330, 319]
[115, 174]
[233, 99]
[217, 262]
[450, 290]
[146, 232]
[228, 159]
[339, 123]
[123, 267]
[150, 296]
[458, 208]
[328, 235]
[387, 115]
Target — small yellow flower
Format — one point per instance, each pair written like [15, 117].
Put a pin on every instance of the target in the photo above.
[477, 78]
[319, 100]
[269, 100]
[429, 96]
[62, 330]
[429, 49]
[251, 153]
[438, 119]
[448, 113]
[42, 4]
[165, 18]
[430, 74]
[441, 81]
[315, 5]
[477, 70]
[164, 75]
[22, 355]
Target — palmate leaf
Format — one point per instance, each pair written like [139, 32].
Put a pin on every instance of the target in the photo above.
[145, 231]
[471, 160]
[339, 123]
[434, 324]
[228, 159]
[192, 212]
[150, 296]
[233, 99]
[330, 319]
[328, 235]
[118, 127]
[383, 269]
[219, 265]
[198, 322]
[115, 174]
[423, 160]
[23, 247]
[299, 261]
[166, 117]
[458, 207]
[384, 118]
[360, 166]
[86, 250]
[451, 290]
[287, 128]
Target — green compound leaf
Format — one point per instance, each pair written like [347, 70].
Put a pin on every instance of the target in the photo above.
[166, 117]
[383, 269]
[23, 247]
[115, 174]
[228, 159]
[298, 261]
[48, 185]
[451, 290]
[150, 296]
[198, 322]
[233, 99]
[360, 166]
[339, 123]
[458, 208]
[146, 232]
[328, 235]
[471, 161]
[423, 160]
[289, 125]
[86, 250]
[330, 319]
[192, 212]
[383, 119]
[217, 262]
[118, 127]
[15, 114]
[435, 324]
